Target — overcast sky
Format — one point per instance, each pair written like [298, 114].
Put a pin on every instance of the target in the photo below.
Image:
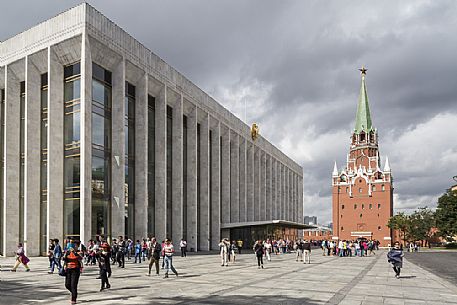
[295, 65]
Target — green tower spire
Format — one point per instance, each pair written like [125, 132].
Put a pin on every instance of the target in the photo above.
[363, 117]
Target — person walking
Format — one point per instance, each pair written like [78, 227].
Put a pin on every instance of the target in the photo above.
[73, 267]
[268, 249]
[307, 252]
[57, 255]
[223, 246]
[51, 253]
[183, 246]
[258, 250]
[154, 255]
[103, 265]
[168, 251]
[233, 250]
[21, 258]
[239, 244]
[138, 251]
[395, 257]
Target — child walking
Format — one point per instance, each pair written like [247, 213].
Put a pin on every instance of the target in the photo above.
[395, 257]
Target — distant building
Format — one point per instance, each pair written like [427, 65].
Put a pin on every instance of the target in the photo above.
[318, 233]
[310, 220]
[362, 192]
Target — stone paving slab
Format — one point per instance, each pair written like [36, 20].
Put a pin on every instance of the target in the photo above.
[328, 280]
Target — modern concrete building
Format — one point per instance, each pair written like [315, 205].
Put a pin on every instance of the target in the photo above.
[99, 136]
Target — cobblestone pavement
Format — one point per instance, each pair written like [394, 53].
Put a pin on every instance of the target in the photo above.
[327, 280]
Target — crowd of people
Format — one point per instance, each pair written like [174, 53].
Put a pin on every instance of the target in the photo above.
[71, 258]
[345, 248]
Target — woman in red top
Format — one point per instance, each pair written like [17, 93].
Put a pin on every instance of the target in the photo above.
[73, 265]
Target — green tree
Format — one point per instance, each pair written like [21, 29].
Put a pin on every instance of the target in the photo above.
[446, 215]
[420, 224]
[401, 223]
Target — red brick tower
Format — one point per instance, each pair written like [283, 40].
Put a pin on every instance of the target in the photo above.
[362, 192]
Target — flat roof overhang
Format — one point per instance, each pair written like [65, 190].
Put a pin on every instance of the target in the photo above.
[283, 223]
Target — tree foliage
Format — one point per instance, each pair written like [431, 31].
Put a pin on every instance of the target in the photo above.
[446, 215]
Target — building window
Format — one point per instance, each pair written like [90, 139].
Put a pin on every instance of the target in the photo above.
[355, 206]
[360, 215]
[379, 206]
[72, 150]
[363, 206]
[2, 160]
[360, 190]
[342, 229]
[379, 228]
[342, 207]
[339, 189]
[129, 128]
[22, 161]
[151, 166]
[374, 188]
[101, 151]
[371, 206]
[169, 217]
[383, 188]
[347, 190]
[44, 164]
[341, 216]
[184, 175]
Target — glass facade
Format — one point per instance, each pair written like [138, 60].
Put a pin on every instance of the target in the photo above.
[151, 165]
[22, 161]
[2, 162]
[169, 171]
[72, 150]
[101, 151]
[44, 164]
[129, 186]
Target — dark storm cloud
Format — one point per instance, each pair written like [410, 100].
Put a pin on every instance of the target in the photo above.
[295, 63]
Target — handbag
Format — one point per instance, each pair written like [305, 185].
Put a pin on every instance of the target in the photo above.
[63, 271]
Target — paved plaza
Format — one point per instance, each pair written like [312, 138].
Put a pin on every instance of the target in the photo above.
[327, 280]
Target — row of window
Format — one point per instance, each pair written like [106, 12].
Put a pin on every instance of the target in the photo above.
[379, 228]
[370, 206]
[373, 188]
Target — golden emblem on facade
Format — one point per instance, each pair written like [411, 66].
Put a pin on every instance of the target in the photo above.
[254, 131]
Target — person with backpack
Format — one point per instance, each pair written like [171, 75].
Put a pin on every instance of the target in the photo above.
[57, 254]
[307, 252]
[121, 252]
[154, 255]
[395, 257]
[259, 250]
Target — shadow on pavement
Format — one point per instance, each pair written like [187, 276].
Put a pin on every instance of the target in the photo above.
[239, 300]
[407, 276]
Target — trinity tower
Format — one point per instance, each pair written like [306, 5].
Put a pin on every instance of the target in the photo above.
[363, 192]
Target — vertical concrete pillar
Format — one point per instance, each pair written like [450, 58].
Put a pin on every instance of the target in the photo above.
[263, 186]
[192, 237]
[283, 206]
[215, 185]
[177, 171]
[55, 147]
[242, 180]
[2, 131]
[32, 192]
[268, 181]
[161, 164]
[12, 161]
[118, 151]
[273, 188]
[256, 183]
[287, 185]
[141, 158]
[204, 227]
[86, 141]
[234, 177]
[225, 177]
[300, 198]
[250, 180]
